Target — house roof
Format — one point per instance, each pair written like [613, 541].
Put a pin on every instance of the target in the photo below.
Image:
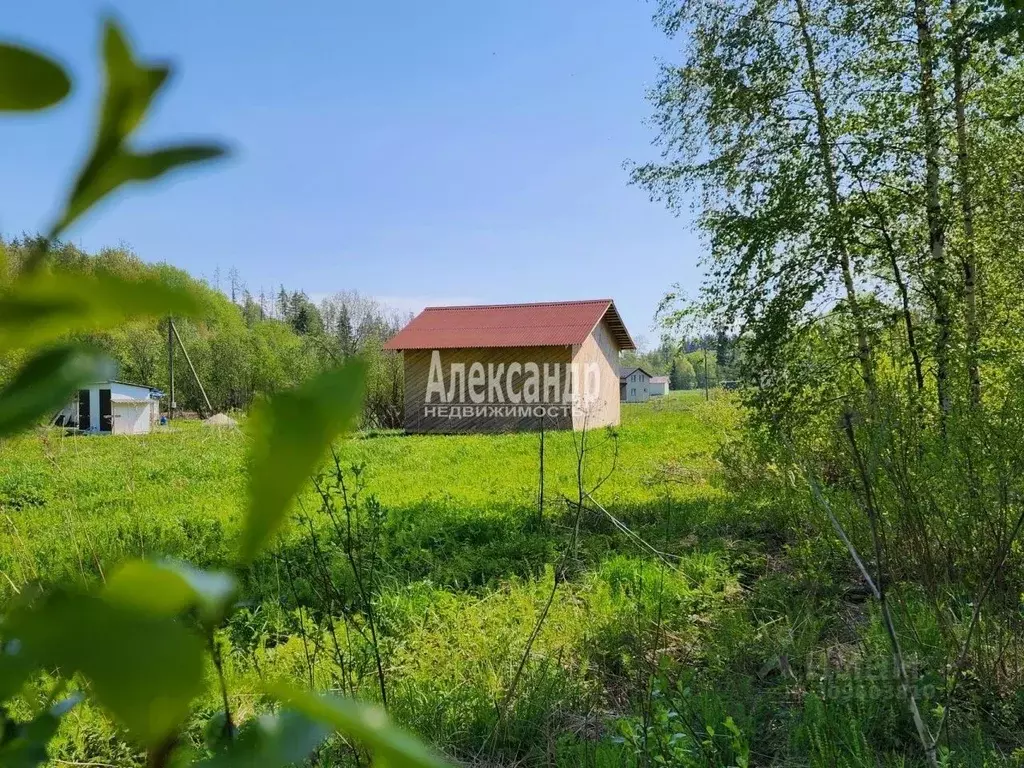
[153, 391]
[659, 379]
[126, 383]
[115, 398]
[624, 372]
[548, 324]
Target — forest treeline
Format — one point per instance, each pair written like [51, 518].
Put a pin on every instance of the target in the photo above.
[243, 346]
[858, 173]
[691, 362]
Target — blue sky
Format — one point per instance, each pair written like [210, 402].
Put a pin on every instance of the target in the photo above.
[421, 152]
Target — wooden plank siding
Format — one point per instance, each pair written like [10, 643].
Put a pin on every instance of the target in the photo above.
[417, 372]
[598, 350]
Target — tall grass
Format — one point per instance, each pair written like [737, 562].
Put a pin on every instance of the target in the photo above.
[701, 627]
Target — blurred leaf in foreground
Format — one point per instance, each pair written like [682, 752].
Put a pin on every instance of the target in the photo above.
[46, 384]
[145, 669]
[367, 724]
[271, 741]
[46, 306]
[24, 745]
[130, 87]
[125, 166]
[290, 433]
[29, 81]
[169, 589]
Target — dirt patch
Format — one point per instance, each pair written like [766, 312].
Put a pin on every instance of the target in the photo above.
[220, 420]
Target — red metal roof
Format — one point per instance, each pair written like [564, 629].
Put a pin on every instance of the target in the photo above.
[551, 324]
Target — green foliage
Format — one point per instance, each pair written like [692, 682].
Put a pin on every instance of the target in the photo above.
[682, 374]
[690, 728]
[123, 167]
[270, 741]
[129, 89]
[856, 169]
[462, 577]
[369, 725]
[42, 308]
[29, 81]
[129, 641]
[240, 352]
[755, 607]
[695, 613]
[25, 745]
[44, 382]
[182, 494]
[170, 589]
[290, 435]
[144, 667]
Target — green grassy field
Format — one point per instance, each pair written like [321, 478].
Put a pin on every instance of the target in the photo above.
[72, 506]
[506, 634]
[467, 562]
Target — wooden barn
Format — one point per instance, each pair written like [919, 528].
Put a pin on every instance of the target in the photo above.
[512, 367]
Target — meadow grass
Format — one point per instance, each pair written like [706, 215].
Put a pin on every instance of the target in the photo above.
[72, 506]
[679, 635]
[468, 560]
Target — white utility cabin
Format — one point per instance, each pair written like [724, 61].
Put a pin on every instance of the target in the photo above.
[112, 407]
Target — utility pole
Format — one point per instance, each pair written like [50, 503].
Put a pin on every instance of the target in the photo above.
[170, 364]
[209, 408]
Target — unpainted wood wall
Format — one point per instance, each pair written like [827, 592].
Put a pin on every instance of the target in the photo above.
[417, 371]
[600, 349]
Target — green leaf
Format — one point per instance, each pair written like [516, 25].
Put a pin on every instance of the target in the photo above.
[123, 167]
[145, 669]
[367, 724]
[46, 383]
[290, 434]
[169, 589]
[130, 87]
[271, 741]
[25, 745]
[49, 305]
[29, 81]
[15, 669]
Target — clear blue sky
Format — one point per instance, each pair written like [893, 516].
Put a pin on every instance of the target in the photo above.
[422, 152]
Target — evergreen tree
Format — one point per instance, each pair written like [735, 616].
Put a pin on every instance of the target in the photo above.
[235, 284]
[673, 376]
[251, 311]
[303, 316]
[343, 331]
[283, 305]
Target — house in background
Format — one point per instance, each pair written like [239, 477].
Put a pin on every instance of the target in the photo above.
[112, 407]
[659, 386]
[634, 385]
[476, 368]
